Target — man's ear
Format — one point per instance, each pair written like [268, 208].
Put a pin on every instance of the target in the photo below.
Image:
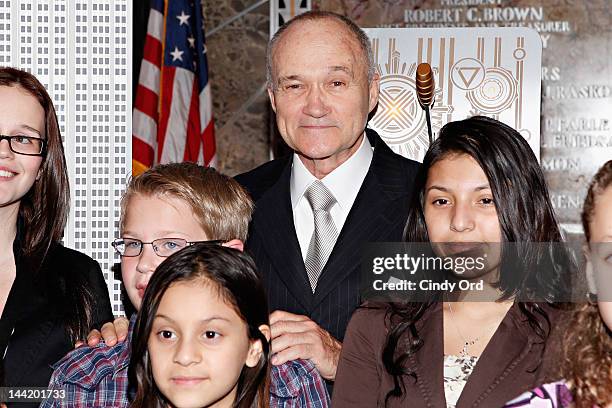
[256, 348]
[374, 91]
[272, 100]
[234, 243]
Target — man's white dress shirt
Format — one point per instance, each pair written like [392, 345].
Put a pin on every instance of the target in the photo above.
[344, 182]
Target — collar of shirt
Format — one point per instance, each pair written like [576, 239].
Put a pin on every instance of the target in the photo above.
[344, 182]
[87, 367]
[93, 376]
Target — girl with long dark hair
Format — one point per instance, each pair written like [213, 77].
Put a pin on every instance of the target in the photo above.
[50, 296]
[480, 183]
[201, 336]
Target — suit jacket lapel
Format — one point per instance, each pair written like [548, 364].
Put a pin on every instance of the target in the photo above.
[374, 212]
[508, 347]
[275, 216]
[428, 362]
[367, 221]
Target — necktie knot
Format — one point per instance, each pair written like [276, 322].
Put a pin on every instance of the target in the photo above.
[319, 197]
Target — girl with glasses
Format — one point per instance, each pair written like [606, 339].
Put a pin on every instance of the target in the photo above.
[50, 296]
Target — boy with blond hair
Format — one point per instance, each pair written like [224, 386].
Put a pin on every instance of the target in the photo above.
[165, 209]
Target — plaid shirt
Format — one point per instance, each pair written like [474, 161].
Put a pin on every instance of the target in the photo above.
[98, 377]
[297, 384]
[93, 376]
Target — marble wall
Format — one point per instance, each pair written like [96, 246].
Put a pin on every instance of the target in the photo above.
[236, 57]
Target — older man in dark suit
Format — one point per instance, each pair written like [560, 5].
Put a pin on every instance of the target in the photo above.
[342, 186]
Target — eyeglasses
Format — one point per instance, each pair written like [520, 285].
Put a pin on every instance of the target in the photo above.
[163, 247]
[26, 145]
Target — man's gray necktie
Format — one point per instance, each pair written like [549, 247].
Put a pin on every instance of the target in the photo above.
[323, 239]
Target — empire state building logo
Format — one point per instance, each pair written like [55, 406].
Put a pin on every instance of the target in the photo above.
[399, 119]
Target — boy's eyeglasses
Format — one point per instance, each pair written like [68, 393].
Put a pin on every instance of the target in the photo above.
[163, 247]
[26, 145]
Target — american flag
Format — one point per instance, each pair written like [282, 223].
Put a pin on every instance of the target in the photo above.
[172, 119]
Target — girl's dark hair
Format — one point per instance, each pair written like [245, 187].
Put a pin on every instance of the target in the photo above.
[44, 209]
[588, 342]
[525, 216]
[234, 275]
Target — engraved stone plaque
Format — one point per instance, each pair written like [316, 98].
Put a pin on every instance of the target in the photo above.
[492, 71]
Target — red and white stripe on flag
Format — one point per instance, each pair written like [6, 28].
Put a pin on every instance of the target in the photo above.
[172, 119]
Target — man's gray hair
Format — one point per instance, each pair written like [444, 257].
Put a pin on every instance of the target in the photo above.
[358, 34]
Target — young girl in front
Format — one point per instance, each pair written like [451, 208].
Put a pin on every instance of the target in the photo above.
[201, 337]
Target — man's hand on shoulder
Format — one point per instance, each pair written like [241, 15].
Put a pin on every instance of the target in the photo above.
[111, 333]
[295, 336]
